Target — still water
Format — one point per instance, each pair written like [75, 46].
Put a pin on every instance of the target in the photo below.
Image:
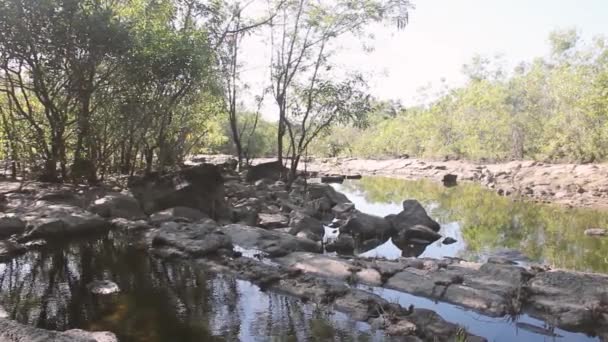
[158, 301]
[485, 224]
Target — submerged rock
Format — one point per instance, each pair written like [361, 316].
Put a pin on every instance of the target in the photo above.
[102, 287]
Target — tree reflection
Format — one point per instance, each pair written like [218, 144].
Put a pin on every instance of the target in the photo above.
[548, 233]
[159, 301]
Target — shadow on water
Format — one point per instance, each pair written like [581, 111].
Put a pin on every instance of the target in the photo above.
[486, 224]
[158, 301]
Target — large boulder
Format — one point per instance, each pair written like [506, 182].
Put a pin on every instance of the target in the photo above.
[413, 214]
[60, 220]
[192, 239]
[271, 170]
[11, 226]
[200, 187]
[117, 205]
[364, 226]
[272, 220]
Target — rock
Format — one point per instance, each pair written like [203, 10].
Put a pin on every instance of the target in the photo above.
[200, 187]
[332, 267]
[449, 240]
[300, 222]
[343, 210]
[61, 220]
[262, 184]
[12, 331]
[124, 224]
[357, 176]
[316, 191]
[10, 249]
[272, 221]
[177, 214]
[11, 226]
[102, 287]
[402, 328]
[245, 214]
[271, 242]
[61, 196]
[413, 214]
[572, 300]
[364, 226]
[417, 233]
[449, 180]
[344, 244]
[192, 239]
[118, 205]
[271, 170]
[97, 336]
[277, 186]
[332, 179]
[596, 232]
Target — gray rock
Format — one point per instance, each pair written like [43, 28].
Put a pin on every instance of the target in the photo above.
[449, 240]
[125, 224]
[343, 210]
[60, 220]
[596, 232]
[193, 239]
[200, 187]
[344, 244]
[12, 331]
[271, 170]
[413, 214]
[61, 196]
[11, 226]
[117, 205]
[416, 233]
[364, 226]
[177, 213]
[271, 242]
[272, 221]
[300, 222]
[103, 287]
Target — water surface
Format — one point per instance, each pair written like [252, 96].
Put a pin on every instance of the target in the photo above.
[486, 224]
[159, 301]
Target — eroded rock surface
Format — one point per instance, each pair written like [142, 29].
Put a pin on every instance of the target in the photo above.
[11, 331]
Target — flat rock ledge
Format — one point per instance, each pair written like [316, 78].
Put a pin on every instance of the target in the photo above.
[569, 300]
[12, 331]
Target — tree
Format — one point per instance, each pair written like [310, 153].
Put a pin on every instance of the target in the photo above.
[301, 41]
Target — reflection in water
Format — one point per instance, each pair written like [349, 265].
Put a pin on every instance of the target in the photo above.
[503, 329]
[484, 223]
[158, 301]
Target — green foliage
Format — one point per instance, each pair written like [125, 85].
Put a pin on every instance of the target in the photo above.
[554, 109]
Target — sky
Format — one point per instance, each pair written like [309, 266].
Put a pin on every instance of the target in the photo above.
[445, 34]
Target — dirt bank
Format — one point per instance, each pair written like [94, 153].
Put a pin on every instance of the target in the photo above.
[567, 184]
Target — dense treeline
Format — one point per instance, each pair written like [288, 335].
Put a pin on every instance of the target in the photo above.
[94, 87]
[554, 108]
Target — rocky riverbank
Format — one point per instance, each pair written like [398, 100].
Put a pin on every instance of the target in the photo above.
[577, 185]
[279, 237]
